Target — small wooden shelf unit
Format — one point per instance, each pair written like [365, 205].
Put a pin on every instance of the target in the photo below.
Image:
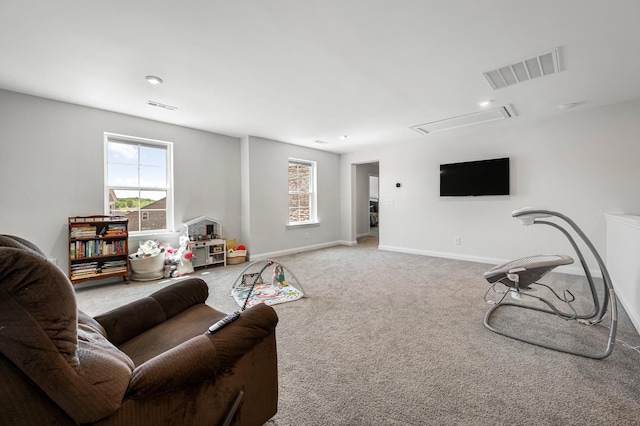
[98, 248]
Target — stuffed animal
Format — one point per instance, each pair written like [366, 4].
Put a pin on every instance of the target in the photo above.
[184, 257]
[178, 261]
[278, 275]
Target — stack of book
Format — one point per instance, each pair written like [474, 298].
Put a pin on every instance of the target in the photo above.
[116, 230]
[84, 270]
[114, 266]
[83, 231]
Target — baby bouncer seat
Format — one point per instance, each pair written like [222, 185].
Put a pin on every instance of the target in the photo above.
[520, 278]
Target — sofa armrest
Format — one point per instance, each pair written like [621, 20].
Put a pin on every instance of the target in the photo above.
[204, 356]
[127, 321]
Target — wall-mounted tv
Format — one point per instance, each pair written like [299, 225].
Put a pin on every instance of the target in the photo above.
[475, 178]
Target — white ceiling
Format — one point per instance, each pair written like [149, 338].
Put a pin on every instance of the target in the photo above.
[305, 70]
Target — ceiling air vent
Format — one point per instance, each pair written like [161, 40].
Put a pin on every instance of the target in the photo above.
[163, 106]
[537, 66]
[465, 120]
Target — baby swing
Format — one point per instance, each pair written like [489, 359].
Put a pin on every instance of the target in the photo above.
[519, 275]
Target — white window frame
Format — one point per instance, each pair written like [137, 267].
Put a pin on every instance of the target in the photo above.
[133, 140]
[313, 193]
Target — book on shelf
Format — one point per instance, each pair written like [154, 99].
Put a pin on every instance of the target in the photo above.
[83, 231]
[116, 230]
[84, 265]
[114, 266]
[92, 219]
[83, 270]
[92, 248]
[94, 269]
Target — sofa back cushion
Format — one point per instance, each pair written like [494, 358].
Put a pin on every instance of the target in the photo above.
[40, 333]
[21, 243]
[130, 320]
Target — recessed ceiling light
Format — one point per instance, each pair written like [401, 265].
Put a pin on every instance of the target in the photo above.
[343, 137]
[152, 79]
[486, 103]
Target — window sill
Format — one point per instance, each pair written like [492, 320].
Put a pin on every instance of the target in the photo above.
[302, 225]
[151, 235]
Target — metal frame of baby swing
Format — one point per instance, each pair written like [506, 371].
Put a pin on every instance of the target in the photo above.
[530, 217]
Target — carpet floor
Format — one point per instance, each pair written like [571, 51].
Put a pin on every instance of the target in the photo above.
[386, 338]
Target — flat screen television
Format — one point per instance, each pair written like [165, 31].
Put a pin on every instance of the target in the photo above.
[475, 178]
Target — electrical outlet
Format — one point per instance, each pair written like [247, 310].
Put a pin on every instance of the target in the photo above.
[306, 235]
[456, 240]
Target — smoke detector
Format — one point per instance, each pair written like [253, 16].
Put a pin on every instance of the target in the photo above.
[541, 65]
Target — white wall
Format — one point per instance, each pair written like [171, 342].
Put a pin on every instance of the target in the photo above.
[581, 163]
[268, 198]
[51, 167]
[623, 253]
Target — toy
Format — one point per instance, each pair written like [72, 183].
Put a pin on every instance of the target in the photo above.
[249, 288]
[278, 275]
[184, 256]
[147, 263]
[178, 262]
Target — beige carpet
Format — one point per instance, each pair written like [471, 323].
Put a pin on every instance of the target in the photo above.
[387, 338]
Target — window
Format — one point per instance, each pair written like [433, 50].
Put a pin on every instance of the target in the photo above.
[302, 191]
[139, 182]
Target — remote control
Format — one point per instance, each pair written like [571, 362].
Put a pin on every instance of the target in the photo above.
[224, 322]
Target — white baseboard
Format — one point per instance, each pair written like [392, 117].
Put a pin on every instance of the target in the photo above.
[491, 261]
[570, 270]
[275, 254]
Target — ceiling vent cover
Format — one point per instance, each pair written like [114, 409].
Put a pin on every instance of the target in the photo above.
[537, 66]
[465, 120]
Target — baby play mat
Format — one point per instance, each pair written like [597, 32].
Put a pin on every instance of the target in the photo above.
[265, 281]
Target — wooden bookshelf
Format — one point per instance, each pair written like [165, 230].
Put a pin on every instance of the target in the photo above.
[98, 248]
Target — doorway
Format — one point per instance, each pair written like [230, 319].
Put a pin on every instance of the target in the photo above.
[367, 213]
[374, 216]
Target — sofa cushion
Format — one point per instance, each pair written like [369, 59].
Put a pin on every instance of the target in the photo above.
[74, 365]
[29, 287]
[185, 362]
[171, 333]
[128, 321]
[17, 242]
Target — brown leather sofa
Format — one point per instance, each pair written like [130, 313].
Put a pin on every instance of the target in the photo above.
[150, 362]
